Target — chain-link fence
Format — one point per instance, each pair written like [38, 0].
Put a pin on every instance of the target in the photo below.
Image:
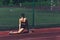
[47, 13]
[40, 13]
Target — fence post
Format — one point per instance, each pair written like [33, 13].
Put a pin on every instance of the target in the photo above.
[33, 14]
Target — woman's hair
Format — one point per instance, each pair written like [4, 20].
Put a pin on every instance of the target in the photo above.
[23, 15]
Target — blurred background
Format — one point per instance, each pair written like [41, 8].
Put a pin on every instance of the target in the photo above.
[40, 13]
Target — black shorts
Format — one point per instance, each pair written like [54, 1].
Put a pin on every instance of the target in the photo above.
[23, 25]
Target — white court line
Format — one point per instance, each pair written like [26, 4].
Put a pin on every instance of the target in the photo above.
[45, 37]
[34, 38]
[57, 36]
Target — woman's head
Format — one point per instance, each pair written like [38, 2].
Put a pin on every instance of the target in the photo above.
[23, 15]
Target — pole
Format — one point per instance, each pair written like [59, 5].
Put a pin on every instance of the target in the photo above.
[51, 5]
[33, 13]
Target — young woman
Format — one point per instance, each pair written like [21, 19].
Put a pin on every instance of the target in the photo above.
[23, 22]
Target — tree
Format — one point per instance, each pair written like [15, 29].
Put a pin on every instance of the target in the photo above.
[6, 2]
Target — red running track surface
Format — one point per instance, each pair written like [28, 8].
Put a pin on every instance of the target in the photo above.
[37, 34]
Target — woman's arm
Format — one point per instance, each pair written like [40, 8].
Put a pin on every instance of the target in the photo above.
[19, 23]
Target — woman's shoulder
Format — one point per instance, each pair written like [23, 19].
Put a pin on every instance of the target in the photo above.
[22, 18]
[25, 18]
